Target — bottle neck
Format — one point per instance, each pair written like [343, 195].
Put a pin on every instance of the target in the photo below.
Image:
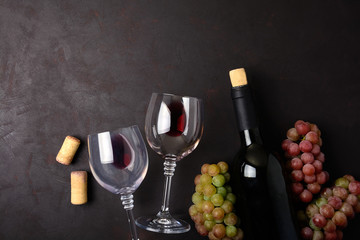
[245, 115]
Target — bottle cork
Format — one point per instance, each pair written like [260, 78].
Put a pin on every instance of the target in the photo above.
[78, 187]
[68, 150]
[238, 77]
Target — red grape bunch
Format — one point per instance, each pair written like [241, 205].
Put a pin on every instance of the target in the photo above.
[329, 214]
[213, 204]
[305, 160]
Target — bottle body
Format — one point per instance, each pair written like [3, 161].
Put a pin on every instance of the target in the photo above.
[250, 181]
[258, 177]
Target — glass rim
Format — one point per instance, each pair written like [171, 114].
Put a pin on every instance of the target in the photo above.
[175, 95]
[134, 126]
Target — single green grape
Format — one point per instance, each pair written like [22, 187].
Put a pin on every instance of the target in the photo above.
[218, 180]
[199, 188]
[208, 216]
[209, 190]
[205, 179]
[227, 176]
[207, 198]
[197, 197]
[213, 170]
[342, 182]
[231, 231]
[222, 191]
[192, 210]
[228, 188]
[217, 200]
[207, 206]
[230, 219]
[224, 167]
[321, 201]
[209, 224]
[231, 197]
[227, 206]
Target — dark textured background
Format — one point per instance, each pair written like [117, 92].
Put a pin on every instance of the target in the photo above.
[79, 67]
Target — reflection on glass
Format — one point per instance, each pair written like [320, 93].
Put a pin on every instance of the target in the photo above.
[118, 160]
[173, 127]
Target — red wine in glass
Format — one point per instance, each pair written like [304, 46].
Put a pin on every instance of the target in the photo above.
[121, 151]
[177, 119]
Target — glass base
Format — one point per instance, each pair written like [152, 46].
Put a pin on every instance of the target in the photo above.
[163, 224]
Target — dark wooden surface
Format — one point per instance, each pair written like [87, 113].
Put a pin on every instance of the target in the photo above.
[79, 67]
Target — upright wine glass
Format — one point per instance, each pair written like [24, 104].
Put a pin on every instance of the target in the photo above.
[173, 127]
[119, 162]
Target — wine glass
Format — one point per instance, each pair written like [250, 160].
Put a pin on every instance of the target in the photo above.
[173, 127]
[119, 162]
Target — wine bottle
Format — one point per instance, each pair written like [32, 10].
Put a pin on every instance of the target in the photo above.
[264, 203]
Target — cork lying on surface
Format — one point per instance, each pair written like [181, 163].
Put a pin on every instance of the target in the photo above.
[78, 187]
[68, 150]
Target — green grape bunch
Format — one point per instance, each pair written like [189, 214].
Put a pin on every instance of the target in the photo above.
[213, 209]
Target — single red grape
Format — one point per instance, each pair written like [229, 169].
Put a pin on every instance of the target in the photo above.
[308, 169]
[314, 188]
[305, 146]
[357, 208]
[312, 137]
[302, 127]
[352, 200]
[319, 220]
[296, 164]
[349, 177]
[348, 210]
[340, 192]
[330, 235]
[330, 226]
[321, 157]
[307, 233]
[297, 175]
[327, 210]
[354, 187]
[339, 234]
[339, 219]
[309, 179]
[318, 166]
[316, 150]
[322, 178]
[326, 192]
[285, 144]
[306, 196]
[307, 157]
[315, 128]
[297, 187]
[293, 149]
[335, 202]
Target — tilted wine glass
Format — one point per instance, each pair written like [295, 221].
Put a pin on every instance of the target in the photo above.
[119, 162]
[173, 127]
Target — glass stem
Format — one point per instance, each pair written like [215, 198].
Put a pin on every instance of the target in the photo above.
[128, 203]
[169, 169]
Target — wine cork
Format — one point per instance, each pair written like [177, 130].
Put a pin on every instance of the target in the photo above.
[78, 187]
[68, 150]
[238, 77]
